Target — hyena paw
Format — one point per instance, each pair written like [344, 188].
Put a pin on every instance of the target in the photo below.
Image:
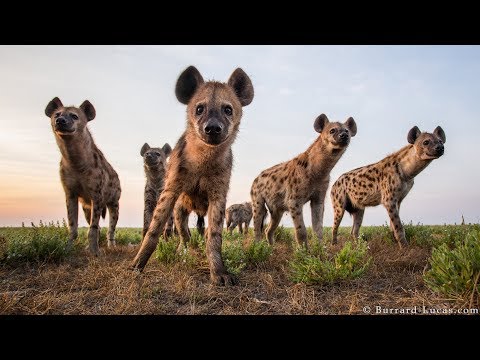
[94, 250]
[111, 243]
[224, 279]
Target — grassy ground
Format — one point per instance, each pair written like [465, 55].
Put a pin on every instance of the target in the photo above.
[47, 280]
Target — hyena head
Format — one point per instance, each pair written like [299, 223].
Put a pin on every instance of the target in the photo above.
[335, 135]
[428, 146]
[214, 109]
[67, 121]
[155, 157]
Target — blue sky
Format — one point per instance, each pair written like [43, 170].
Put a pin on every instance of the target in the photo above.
[387, 89]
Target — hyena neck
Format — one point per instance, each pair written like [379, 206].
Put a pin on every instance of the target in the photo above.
[410, 163]
[155, 175]
[200, 154]
[77, 150]
[321, 159]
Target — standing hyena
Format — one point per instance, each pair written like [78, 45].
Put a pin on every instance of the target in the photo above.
[238, 214]
[155, 166]
[198, 173]
[85, 173]
[386, 182]
[289, 185]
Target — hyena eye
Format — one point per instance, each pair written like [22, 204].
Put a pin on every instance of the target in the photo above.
[332, 131]
[228, 110]
[426, 142]
[74, 117]
[57, 114]
[199, 109]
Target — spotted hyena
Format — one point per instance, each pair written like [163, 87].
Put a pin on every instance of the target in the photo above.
[289, 185]
[237, 215]
[85, 173]
[386, 182]
[198, 173]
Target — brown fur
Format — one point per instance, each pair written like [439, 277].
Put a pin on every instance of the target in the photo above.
[198, 173]
[386, 182]
[237, 215]
[85, 173]
[289, 185]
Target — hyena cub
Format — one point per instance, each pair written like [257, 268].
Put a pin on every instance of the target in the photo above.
[85, 173]
[289, 185]
[198, 173]
[238, 214]
[386, 182]
[155, 166]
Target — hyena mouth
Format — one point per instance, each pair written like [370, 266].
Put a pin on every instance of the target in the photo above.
[214, 140]
[60, 131]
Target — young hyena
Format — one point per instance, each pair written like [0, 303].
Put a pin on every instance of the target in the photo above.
[238, 214]
[386, 182]
[198, 173]
[289, 185]
[85, 173]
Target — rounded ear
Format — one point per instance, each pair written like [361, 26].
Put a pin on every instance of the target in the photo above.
[144, 149]
[413, 134]
[52, 106]
[167, 149]
[320, 123]
[187, 83]
[351, 126]
[88, 109]
[242, 85]
[440, 133]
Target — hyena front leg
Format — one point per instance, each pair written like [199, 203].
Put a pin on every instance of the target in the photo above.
[317, 206]
[150, 200]
[160, 216]
[240, 229]
[300, 231]
[259, 213]
[357, 222]
[275, 218]
[396, 223]
[338, 202]
[72, 214]
[181, 222]
[218, 272]
[94, 230]
[112, 223]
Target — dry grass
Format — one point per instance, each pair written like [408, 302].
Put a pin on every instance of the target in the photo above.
[85, 285]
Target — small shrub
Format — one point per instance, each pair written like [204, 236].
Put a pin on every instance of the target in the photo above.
[283, 234]
[455, 272]
[233, 257]
[166, 251]
[316, 268]
[257, 252]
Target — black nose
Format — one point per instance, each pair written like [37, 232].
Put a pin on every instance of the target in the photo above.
[343, 136]
[61, 121]
[439, 148]
[213, 126]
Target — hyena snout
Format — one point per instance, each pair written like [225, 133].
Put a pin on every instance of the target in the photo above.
[343, 137]
[439, 149]
[152, 159]
[64, 124]
[214, 131]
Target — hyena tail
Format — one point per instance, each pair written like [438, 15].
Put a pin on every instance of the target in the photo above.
[228, 219]
[263, 219]
[104, 212]
[201, 225]
[348, 206]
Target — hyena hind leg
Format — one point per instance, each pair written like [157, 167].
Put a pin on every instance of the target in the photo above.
[112, 223]
[357, 222]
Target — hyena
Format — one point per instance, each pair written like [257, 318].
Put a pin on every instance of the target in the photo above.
[238, 214]
[386, 182]
[85, 173]
[155, 166]
[199, 170]
[289, 185]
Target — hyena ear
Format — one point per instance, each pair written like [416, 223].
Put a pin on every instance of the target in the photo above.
[320, 123]
[351, 126]
[187, 83]
[52, 106]
[167, 149]
[88, 109]
[144, 149]
[440, 133]
[241, 83]
[413, 134]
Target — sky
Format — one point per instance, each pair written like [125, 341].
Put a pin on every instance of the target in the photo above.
[386, 89]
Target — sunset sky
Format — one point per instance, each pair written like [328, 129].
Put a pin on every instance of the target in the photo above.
[387, 89]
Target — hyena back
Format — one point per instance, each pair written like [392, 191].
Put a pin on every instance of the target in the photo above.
[85, 173]
[198, 173]
[289, 185]
[238, 215]
[386, 182]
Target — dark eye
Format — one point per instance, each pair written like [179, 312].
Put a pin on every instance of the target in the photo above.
[74, 116]
[157, 153]
[426, 142]
[228, 110]
[332, 131]
[57, 114]
[199, 109]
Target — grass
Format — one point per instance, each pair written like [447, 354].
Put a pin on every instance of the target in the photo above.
[328, 279]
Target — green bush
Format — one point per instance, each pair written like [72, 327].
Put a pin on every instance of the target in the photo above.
[283, 234]
[455, 272]
[45, 242]
[257, 252]
[233, 256]
[316, 268]
[166, 251]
